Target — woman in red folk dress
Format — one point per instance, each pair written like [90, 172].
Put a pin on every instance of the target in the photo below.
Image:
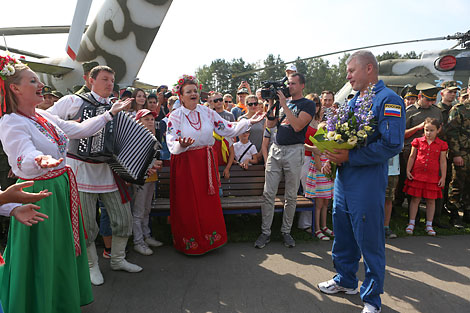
[197, 221]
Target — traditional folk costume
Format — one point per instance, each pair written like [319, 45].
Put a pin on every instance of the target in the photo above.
[46, 266]
[197, 220]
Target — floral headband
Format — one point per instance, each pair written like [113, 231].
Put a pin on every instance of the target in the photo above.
[7, 68]
[182, 80]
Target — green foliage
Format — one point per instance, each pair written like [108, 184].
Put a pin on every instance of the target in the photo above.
[319, 73]
[395, 55]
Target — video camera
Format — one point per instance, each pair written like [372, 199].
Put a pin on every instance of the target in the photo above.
[269, 91]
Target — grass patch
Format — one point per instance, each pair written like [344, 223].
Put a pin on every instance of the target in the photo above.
[247, 227]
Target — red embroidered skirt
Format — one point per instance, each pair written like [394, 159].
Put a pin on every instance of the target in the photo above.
[421, 189]
[197, 220]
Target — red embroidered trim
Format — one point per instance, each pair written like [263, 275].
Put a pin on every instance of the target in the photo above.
[75, 207]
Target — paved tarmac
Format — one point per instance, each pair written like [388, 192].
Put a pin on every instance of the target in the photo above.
[424, 274]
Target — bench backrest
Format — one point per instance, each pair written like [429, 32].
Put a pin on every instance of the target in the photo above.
[241, 182]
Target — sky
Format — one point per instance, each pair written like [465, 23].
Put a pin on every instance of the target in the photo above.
[194, 33]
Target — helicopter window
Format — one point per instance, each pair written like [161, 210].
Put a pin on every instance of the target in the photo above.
[445, 63]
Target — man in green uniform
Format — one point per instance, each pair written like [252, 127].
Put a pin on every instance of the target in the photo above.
[448, 96]
[410, 96]
[458, 132]
[87, 66]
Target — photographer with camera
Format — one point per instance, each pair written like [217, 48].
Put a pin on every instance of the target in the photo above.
[286, 154]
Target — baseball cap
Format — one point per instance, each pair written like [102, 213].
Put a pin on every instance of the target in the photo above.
[144, 112]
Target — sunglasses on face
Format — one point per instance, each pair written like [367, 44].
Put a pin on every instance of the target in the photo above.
[227, 101]
[252, 104]
[217, 100]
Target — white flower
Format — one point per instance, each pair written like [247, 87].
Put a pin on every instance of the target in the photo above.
[352, 141]
[331, 135]
[361, 133]
[11, 69]
[4, 71]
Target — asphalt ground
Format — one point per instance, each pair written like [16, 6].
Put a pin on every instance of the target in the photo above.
[423, 274]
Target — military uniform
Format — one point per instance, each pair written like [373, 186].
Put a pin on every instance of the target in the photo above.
[87, 67]
[83, 90]
[407, 92]
[445, 109]
[459, 145]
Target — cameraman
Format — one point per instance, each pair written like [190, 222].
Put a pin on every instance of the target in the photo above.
[286, 155]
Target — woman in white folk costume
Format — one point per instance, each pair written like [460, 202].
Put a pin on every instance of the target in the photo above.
[46, 266]
[197, 220]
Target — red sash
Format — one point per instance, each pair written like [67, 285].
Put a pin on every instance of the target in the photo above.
[211, 166]
[75, 207]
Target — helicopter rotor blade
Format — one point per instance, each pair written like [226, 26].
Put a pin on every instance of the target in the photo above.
[456, 36]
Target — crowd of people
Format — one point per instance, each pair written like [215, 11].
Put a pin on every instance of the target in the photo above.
[418, 150]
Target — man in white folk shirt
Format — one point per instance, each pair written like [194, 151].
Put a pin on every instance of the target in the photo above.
[97, 180]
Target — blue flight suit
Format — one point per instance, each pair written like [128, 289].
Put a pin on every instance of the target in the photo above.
[359, 198]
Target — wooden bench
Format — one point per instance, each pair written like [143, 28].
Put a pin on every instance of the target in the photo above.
[242, 192]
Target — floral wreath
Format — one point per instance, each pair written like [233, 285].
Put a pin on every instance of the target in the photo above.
[7, 68]
[182, 80]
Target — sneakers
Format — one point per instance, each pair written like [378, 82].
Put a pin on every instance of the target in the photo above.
[369, 308]
[288, 240]
[106, 254]
[321, 235]
[331, 287]
[389, 234]
[262, 241]
[143, 249]
[151, 242]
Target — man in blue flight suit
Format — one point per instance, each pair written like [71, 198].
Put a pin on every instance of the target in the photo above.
[359, 196]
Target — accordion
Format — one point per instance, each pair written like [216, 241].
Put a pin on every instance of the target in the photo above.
[124, 143]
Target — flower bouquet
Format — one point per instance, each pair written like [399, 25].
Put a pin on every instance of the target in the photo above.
[348, 127]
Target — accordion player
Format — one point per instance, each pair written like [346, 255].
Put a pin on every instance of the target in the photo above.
[125, 144]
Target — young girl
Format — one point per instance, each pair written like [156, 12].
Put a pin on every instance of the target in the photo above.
[142, 200]
[427, 159]
[323, 192]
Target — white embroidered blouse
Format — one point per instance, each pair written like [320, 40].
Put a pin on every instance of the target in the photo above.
[92, 178]
[199, 124]
[24, 139]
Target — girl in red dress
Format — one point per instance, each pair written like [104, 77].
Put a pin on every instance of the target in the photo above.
[427, 159]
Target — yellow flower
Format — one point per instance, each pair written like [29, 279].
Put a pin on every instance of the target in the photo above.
[361, 133]
[338, 137]
[367, 128]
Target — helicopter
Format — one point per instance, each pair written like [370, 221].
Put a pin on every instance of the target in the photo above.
[432, 67]
[115, 38]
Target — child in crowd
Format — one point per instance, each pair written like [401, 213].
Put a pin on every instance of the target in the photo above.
[427, 159]
[245, 151]
[142, 200]
[323, 193]
[393, 174]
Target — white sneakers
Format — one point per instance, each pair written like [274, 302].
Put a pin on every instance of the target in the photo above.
[369, 308]
[151, 242]
[331, 287]
[143, 249]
